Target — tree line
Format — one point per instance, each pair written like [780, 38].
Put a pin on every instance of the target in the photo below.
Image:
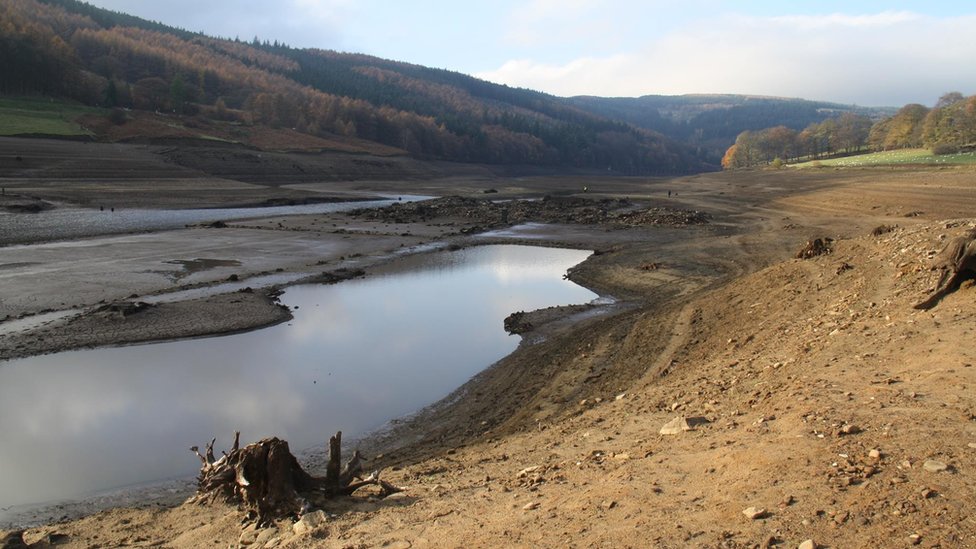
[948, 127]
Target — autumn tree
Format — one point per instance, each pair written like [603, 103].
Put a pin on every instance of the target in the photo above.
[903, 130]
[951, 125]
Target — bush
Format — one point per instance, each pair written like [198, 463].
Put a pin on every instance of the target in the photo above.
[944, 148]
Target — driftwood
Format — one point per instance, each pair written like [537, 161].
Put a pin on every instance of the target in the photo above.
[268, 482]
[957, 262]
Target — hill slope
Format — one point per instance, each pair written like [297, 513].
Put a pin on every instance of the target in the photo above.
[70, 49]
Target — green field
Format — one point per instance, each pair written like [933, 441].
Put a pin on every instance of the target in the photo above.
[41, 116]
[892, 158]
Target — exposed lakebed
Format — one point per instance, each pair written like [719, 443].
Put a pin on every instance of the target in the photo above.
[356, 355]
[64, 223]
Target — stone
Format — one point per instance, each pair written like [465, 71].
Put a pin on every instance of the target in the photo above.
[808, 544]
[265, 537]
[400, 544]
[248, 537]
[675, 426]
[914, 539]
[530, 506]
[754, 513]
[527, 471]
[849, 429]
[874, 454]
[972, 445]
[934, 466]
[310, 522]
[681, 424]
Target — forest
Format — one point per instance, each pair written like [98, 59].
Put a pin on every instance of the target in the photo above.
[69, 49]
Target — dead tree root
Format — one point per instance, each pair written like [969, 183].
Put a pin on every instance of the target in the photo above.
[267, 481]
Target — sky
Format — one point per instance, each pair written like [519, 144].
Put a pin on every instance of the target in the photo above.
[869, 53]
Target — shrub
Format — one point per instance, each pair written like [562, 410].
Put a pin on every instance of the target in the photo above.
[944, 148]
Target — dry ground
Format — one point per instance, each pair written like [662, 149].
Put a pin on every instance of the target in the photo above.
[818, 394]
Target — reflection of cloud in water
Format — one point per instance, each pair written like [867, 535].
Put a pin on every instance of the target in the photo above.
[371, 350]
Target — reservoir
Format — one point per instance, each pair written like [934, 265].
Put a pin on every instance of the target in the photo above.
[356, 355]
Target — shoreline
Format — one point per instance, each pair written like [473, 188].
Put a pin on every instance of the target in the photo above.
[723, 325]
[241, 311]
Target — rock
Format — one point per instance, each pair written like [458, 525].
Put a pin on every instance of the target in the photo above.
[530, 506]
[972, 445]
[527, 471]
[849, 429]
[310, 522]
[675, 426]
[934, 466]
[914, 539]
[680, 424]
[874, 454]
[248, 537]
[397, 496]
[808, 544]
[265, 537]
[399, 544]
[754, 513]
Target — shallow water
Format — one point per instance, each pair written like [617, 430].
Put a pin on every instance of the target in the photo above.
[356, 355]
[65, 223]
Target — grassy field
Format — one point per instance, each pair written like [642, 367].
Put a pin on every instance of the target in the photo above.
[888, 158]
[41, 116]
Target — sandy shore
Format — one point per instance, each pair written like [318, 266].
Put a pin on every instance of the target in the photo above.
[777, 354]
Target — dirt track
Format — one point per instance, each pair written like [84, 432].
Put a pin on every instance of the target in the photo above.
[558, 444]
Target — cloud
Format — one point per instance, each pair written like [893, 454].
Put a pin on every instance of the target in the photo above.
[889, 58]
[551, 22]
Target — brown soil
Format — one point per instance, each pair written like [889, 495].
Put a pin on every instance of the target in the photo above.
[813, 390]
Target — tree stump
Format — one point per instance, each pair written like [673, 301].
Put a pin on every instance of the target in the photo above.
[957, 262]
[815, 247]
[267, 481]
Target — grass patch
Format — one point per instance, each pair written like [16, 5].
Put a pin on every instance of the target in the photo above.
[36, 115]
[892, 158]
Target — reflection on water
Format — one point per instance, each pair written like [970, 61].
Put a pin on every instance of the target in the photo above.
[356, 355]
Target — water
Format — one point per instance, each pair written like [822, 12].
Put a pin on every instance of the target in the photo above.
[65, 223]
[356, 355]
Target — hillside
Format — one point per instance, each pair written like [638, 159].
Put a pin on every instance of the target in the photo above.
[710, 123]
[69, 49]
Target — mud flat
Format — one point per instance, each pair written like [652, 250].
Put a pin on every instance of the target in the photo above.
[819, 395]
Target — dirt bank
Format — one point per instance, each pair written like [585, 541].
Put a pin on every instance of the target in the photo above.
[827, 401]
